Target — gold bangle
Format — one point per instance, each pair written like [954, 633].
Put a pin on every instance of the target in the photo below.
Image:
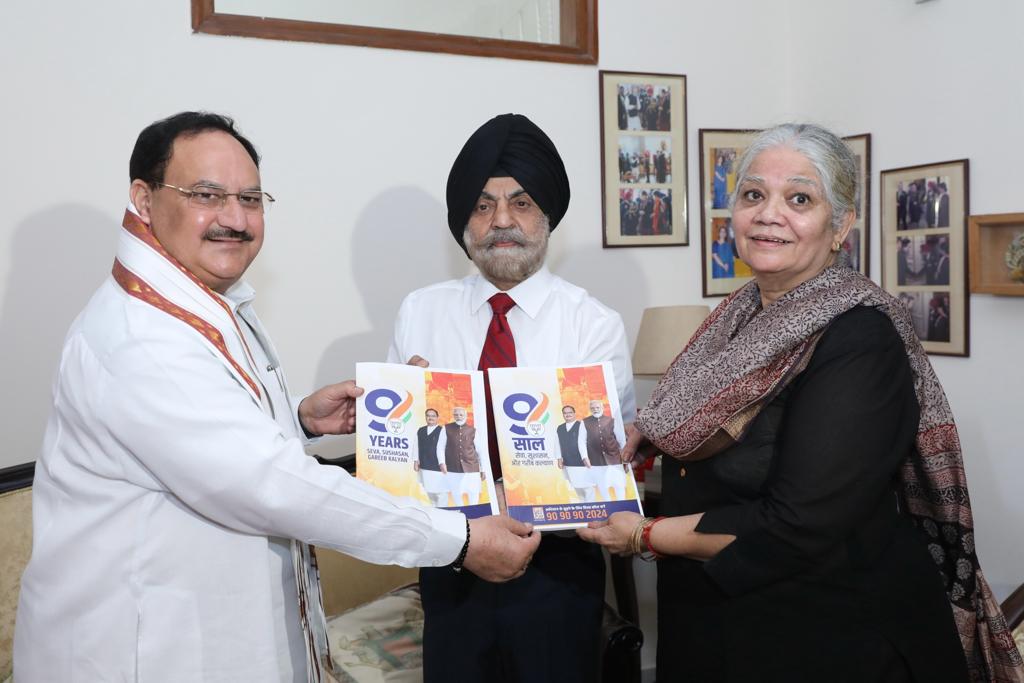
[635, 538]
[634, 535]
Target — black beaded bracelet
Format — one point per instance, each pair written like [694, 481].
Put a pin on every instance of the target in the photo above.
[457, 564]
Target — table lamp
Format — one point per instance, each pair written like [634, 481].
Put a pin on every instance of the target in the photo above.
[664, 331]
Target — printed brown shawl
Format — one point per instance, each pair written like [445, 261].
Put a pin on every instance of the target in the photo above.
[743, 355]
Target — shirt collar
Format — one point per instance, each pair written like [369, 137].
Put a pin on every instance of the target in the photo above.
[529, 295]
[239, 293]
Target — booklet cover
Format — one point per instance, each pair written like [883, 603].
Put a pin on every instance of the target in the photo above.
[560, 436]
[422, 433]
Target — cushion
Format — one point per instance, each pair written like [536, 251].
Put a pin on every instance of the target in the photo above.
[381, 640]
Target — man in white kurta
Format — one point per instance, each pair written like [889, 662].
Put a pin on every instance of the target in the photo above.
[571, 452]
[428, 459]
[173, 477]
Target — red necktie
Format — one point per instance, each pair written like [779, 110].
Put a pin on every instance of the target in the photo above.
[499, 352]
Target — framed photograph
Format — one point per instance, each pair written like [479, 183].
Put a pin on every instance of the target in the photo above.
[997, 253]
[856, 247]
[723, 271]
[643, 159]
[924, 251]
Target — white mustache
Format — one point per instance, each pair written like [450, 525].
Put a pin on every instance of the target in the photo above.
[503, 235]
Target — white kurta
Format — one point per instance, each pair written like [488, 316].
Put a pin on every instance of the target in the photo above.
[160, 500]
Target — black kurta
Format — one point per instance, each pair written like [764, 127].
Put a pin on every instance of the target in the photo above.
[826, 580]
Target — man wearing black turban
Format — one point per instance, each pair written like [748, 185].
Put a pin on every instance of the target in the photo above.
[506, 191]
[509, 145]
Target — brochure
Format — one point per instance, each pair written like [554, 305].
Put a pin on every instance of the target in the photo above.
[422, 433]
[560, 436]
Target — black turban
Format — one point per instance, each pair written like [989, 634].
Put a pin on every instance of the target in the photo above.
[507, 145]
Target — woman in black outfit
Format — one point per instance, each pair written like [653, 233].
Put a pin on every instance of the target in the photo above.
[817, 522]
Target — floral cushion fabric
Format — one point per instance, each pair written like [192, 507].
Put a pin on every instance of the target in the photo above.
[381, 640]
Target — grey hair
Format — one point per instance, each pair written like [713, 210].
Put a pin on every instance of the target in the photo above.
[832, 159]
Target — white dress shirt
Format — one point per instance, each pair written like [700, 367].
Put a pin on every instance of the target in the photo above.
[554, 323]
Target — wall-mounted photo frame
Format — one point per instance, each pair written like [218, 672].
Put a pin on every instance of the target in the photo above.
[924, 250]
[996, 247]
[723, 270]
[643, 159]
[856, 247]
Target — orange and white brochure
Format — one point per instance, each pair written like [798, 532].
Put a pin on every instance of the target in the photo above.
[422, 433]
[560, 437]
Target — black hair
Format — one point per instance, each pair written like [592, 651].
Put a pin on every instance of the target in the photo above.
[153, 148]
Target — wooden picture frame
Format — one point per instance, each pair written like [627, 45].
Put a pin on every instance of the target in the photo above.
[722, 270]
[996, 248]
[577, 22]
[644, 159]
[924, 250]
[857, 246]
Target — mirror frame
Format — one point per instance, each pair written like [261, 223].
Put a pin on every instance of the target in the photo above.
[578, 29]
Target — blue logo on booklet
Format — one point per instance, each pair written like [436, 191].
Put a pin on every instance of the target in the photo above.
[393, 410]
[528, 413]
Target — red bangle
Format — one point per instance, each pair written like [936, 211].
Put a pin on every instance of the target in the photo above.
[646, 537]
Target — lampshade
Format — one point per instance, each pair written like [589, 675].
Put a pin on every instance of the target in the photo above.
[664, 331]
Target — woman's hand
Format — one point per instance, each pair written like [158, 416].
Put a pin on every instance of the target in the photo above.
[614, 534]
[665, 536]
[638, 449]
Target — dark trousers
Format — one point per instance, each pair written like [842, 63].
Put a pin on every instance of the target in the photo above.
[543, 626]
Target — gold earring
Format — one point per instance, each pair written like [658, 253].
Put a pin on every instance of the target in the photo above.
[835, 246]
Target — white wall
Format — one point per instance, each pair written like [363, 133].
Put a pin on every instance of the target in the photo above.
[934, 82]
[357, 144]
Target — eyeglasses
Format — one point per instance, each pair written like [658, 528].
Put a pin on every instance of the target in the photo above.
[204, 197]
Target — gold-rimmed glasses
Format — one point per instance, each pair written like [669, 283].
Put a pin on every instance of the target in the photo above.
[216, 198]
